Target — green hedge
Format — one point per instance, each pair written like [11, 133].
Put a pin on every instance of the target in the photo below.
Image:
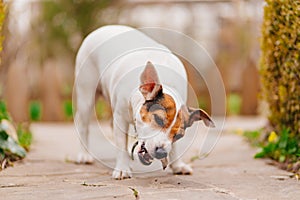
[279, 66]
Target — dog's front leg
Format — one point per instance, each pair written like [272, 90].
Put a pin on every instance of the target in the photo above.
[122, 169]
[178, 166]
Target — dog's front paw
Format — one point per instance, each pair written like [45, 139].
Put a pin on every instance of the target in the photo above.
[120, 174]
[181, 168]
[84, 158]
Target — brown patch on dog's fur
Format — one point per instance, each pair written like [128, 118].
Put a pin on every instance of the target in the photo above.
[177, 130]
[160, 111]
[185, 118]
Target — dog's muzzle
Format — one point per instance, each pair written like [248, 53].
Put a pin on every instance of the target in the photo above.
[144, 156]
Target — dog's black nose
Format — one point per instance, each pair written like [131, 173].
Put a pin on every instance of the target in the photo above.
[160, 153]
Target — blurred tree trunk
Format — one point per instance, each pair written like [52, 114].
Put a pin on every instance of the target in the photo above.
[51, 93]
[17, 92]
[250, 89]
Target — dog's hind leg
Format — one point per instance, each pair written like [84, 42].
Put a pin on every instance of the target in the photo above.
[85, 89]
[82, 120]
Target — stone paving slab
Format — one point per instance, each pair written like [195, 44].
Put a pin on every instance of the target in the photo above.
[229, 172]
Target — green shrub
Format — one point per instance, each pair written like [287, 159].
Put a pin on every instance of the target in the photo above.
[283, 148]
[280, 77]
[3, 111]
[68, 109]
[35, 110]
[102, 109]
[202, 102]
[234, 102]
[279, 65]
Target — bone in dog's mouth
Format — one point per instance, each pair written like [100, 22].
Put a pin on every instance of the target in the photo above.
[144, 156]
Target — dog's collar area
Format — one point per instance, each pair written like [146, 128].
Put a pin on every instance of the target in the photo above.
[132, 150]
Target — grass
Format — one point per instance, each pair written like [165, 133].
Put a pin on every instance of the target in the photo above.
[24, 136]
[253, 137]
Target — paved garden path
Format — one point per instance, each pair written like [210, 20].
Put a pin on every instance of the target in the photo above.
[229, 172]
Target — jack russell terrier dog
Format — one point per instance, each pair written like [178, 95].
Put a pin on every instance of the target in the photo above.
[146, 86]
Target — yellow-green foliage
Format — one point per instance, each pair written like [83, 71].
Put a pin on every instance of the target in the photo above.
[279, 65]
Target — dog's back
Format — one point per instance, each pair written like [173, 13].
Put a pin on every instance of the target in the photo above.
[95, 39]
[115, 56]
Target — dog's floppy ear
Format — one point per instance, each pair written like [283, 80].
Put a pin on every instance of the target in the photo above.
[150, 86]
[190, 115]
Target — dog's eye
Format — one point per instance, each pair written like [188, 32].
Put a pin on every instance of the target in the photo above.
[159, 120]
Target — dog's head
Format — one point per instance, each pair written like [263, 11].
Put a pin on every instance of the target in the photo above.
[160, 122]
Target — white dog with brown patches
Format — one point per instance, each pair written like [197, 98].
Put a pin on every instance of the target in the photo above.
[146, 86]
